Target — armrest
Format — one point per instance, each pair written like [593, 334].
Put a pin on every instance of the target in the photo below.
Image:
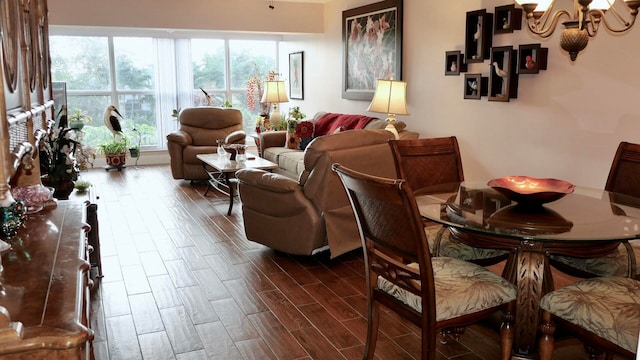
[273, 139]
[268, 181]
[180, 137]
[236, 137]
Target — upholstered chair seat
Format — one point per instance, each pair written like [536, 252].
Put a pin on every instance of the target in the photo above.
[441, 244]
[613, 264]
[608, 307]
[461, 288]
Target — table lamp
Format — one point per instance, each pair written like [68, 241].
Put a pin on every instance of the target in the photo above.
[274, 93]
[390, 98]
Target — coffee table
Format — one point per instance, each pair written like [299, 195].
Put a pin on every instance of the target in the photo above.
[221, 172]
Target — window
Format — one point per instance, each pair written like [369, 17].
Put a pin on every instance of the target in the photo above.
[246, 58]
[84, 64]
[146, 77]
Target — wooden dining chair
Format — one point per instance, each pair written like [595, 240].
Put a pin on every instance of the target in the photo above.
[603, 312]
[623, 179]
[439, 294]
[435, 163]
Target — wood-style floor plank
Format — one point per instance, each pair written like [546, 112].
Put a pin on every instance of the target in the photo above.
[182, 282]
[180, 330]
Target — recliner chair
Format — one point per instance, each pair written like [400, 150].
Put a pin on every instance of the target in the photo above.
[200, 128]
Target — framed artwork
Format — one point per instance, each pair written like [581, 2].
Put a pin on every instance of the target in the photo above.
[296, 78]
[372, 47]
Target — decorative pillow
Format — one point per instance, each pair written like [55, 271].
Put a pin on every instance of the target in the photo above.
[293, 140]
[304, 130]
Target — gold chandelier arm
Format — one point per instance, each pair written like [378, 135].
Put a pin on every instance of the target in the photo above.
[548, 26]
[625, 23]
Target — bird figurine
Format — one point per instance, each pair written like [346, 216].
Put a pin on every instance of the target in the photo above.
[477, 38]
[504, 75]
[505, 23]
[61, 117]
[529, 63]
[499, 71]
[476, 35]
[207, 96]
[112, 119]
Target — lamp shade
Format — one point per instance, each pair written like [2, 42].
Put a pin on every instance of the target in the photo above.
[390, 98]
[274, 92]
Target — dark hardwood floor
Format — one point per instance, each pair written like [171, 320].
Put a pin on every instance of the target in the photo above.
[181, 281]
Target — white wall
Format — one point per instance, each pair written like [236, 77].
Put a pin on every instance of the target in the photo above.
[566, 122]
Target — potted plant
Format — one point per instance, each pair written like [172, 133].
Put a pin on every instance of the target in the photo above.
[115, 152]
[57, 161]
[134, 150]
[78, 119]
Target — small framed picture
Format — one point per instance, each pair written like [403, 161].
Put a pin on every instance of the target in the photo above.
[296, 75]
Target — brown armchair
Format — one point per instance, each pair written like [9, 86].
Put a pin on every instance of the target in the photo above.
[200, 128]
[308, 215]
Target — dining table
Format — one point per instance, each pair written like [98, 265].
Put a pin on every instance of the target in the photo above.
[585, 223]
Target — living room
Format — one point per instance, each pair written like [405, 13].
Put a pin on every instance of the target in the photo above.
[562, 125]
[181, 280]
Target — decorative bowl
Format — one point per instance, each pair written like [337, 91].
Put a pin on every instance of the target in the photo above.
[527, 190]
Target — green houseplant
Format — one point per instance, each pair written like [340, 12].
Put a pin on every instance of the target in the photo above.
[78, 119]
[115, 152]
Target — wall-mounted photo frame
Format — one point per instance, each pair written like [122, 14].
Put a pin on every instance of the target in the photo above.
[296, 75]
[372, 47]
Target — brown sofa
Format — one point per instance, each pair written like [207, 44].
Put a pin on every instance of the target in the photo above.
[304, 216]
[200, 128]
[290, 161]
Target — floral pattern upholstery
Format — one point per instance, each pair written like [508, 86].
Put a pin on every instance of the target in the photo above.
[452, 248]
[461, 288]
[608, 307]
[614, 264]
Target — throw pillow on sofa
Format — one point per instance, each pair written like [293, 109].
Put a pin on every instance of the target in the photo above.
[304, 131]
[292, 140]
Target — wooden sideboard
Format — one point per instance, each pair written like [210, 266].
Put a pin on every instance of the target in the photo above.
[45, 285]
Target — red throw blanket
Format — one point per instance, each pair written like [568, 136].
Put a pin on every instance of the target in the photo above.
[329, 122]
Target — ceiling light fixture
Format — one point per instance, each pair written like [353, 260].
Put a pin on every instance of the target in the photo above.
[582, 23]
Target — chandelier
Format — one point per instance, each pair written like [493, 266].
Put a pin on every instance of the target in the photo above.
[582, 23]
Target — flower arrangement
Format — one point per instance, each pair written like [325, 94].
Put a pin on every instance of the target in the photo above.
[85, 156]
[57, 155]
[255, 89]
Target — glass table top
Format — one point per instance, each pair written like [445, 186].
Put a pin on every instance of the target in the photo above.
[585, 215]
